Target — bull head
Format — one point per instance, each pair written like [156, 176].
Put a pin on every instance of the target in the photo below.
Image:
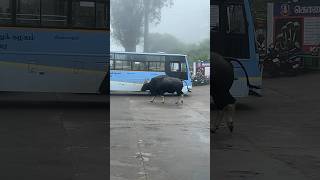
[146, 86]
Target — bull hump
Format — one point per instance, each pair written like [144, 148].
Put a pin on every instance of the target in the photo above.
[167, 81]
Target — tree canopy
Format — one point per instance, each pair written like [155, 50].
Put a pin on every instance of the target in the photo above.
[127, 22]
[169, 44]
[154, 7]
[130, 20]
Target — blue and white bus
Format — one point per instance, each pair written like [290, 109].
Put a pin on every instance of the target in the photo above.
[233, 36]
[129, 71]
[54, 45]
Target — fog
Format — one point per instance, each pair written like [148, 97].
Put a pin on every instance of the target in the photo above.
[188, 20]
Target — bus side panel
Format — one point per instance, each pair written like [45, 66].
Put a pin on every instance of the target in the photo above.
[32, 76]
[130, 80]
[53, 60]
[240, 86]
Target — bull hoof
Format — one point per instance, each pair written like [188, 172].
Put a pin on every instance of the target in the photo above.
[151, 101]
[181, 101]
[162, 102]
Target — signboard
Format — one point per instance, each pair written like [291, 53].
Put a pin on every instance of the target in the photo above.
[297, 23]
[297, 9]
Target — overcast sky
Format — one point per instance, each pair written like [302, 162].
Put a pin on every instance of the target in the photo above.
[188, 20]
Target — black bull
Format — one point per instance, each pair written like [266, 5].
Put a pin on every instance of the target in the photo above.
[222, 80]
[164, 84]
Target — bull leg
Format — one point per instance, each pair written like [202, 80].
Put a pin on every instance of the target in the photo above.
[229, 111]
[217, 121]
[180, 99]
[152, 100]
[162, 99]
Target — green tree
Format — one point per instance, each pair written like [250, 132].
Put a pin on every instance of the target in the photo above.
[127, 22]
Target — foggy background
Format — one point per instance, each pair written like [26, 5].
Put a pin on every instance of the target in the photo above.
[187, 20]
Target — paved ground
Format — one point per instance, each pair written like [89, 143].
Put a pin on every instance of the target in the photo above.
[155, 141]
[53, 137]
[276, 136]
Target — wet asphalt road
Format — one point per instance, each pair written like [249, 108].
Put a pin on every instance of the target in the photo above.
[276, 136]
[53, 137]
[155, 141]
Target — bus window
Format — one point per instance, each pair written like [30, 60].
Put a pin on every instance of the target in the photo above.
[28, 12]
[162, 66]
[118, 65]
[54, 13]
[174, 67]
[183, 67]
[83, 14]
[215, 18]
[100, 15]
[236, 20]
[119, 56]
[156, 66]
[111, 64]
[139, 66]
[5, 12]
[126, 65]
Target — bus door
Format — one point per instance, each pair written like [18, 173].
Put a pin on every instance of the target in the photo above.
[176, 67]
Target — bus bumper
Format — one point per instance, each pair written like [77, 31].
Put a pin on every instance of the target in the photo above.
[187, 89]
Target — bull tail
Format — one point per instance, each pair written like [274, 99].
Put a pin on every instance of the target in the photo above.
[247, 76]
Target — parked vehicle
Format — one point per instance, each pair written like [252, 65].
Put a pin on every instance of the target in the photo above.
[200, 80]
[283, 62]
